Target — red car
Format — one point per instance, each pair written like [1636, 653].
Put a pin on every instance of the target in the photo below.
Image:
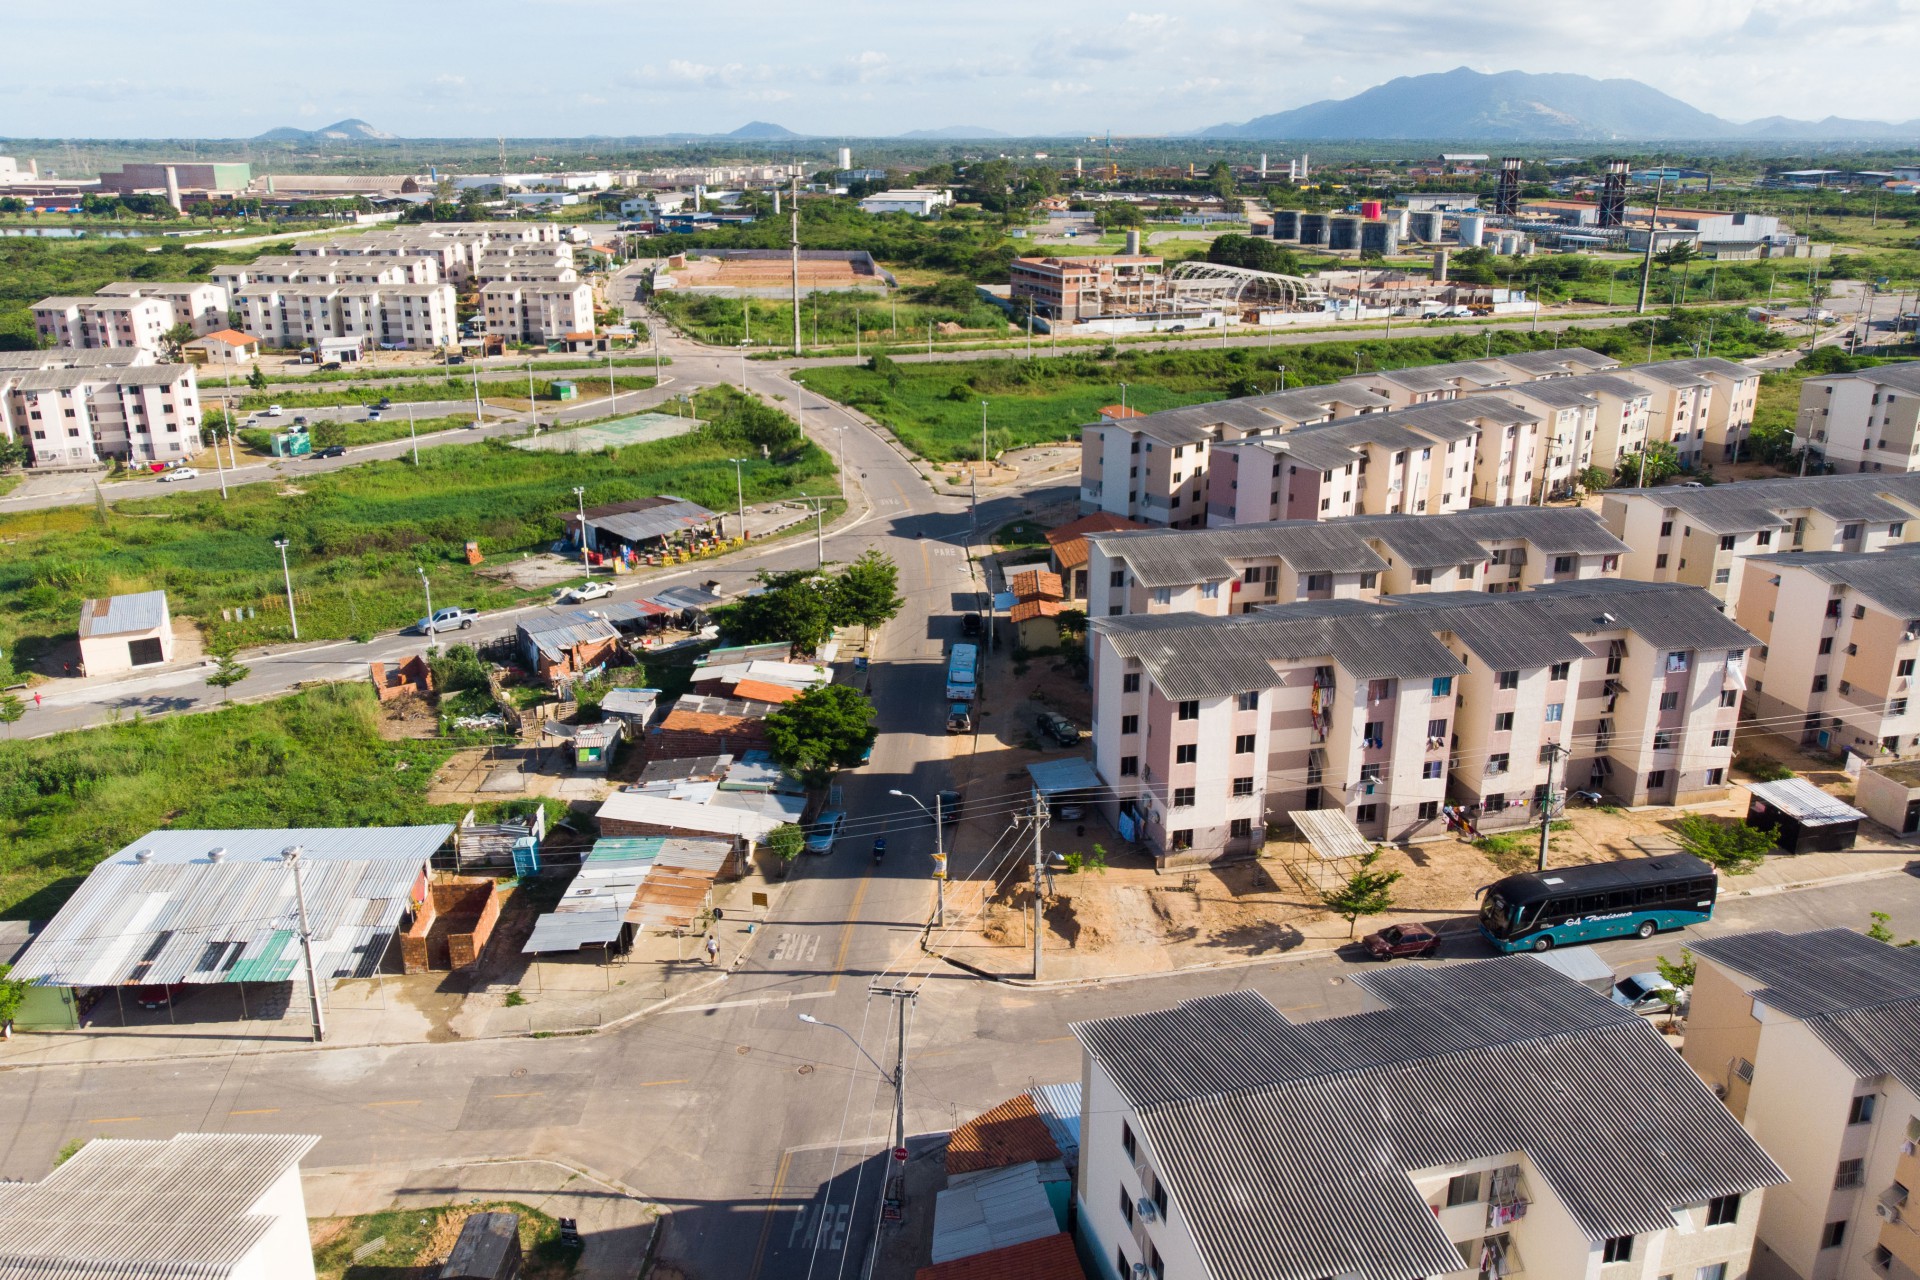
[158, 997]
[1402, 940]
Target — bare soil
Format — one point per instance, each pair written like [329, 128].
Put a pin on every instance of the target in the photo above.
[532, 572]
[409, 716]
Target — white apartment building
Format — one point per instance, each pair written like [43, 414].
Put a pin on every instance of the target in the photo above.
[1236, 570]
[82, 413]
[1700, 535]
[385, 269]
[1207, 728]
[1813, 1039]
[1839, 638]
[537, 311]
[1492, 1118]
[1681, 409]
[1623, 413]
[200, 303]
[399, 316]
[1863, 421]
[222, 1206]
[920, 202]
[135, 315]
[1729, 410]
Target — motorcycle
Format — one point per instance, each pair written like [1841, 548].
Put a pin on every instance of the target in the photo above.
[879, 848]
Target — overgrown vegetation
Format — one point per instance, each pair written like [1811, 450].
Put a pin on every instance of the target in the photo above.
[32, 268]
[509, 387]
[1733, 847]
[415, 1240]
[1761, 768]
[359, 534]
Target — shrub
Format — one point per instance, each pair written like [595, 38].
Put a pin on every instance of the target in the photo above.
[1734, 847]
[1762, 768]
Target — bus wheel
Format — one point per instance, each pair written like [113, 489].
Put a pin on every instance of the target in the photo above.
[1646, 929]
[1543, 943]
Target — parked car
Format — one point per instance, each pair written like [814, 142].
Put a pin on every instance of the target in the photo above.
[1642, 993]
[456, 359]
[588, 591]
[331, 451]
[331, 366]
[451, 618]
[949, 807]
[970, 624]
[1059, 728]
[373, 415]
[824, 831]
[275, 411]
[1401, 940]
[159, 997]
[299, 423]
[386, 402]
[959, 717]
[1069, 812]
[180, 473]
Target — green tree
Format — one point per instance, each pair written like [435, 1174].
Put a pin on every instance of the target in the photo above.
[11, 709]
[1661, 462]
[1220, 178]
[174, 340]
[1734, 847]
[257, 379]
[1679, 972]
[1367, 892]
[786, 841]
[228, 671]
[821, 730]
[1595, 478]
[13, 994]
[1879, 931]
[867, 592]
[12, 453]
[796, 606]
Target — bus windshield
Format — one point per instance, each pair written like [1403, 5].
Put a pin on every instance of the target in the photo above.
[1493, 914]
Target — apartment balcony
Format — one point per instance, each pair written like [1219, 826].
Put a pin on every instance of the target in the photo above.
[1900, 1219]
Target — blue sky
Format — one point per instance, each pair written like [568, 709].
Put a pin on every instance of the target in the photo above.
[112, 68]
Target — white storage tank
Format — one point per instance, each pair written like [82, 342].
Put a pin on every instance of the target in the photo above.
[1473, 230]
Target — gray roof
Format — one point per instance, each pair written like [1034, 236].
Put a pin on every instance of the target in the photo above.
[994, 1209]
[1557, 393]
[1861, 997]
[63, 379]
[1707, 367]
[74, 358]
[1180, 557]
[1552, 529]
[1516, 634]
[1805, 803]
[145, 1209]
[179, 914]
[1890, 578]
[1563, 360]
[123, 615]
[1756, 504]
[647, 519]
[554, 638]
[1667, 375]
[1289, 1146]
[1608, 384]
[1669, 615]
[1903, 375]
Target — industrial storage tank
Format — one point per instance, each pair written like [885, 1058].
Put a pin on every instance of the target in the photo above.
[1286, 224]
[1473, 230]
[1343, 233]
[1313, 228]
[1425, 224]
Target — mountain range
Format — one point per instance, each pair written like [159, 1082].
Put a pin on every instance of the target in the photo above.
[1519, 106]
[348, 130]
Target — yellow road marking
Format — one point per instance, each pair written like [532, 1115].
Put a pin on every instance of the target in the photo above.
[257, 1111]
[534, 1094]
[766, 1221]
[397, 1102]
[846, 934]
[649, 1084]
[115, 1119]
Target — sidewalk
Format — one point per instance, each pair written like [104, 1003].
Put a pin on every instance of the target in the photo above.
[616, 1225]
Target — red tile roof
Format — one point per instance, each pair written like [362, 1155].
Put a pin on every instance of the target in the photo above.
[764, 691]
[1037, 584]
[232, 337]
[1069, 541]
[1121, 411]
[1028, 609]
[1048, 1258]
[1011, 1133]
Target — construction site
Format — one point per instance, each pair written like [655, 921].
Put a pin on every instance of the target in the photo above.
[1139, 293]
[768, 273]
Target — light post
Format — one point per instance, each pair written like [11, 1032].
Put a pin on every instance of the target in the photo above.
[291, 856]
[983, 433]
[939, 855]
[1123, 399]
[479, 414]
[740, 494]
[613, 396]
[840, 456]
[743, 368]
[533, 405]
[898, 1076]
[412, 435]
[287, 575]
[580, 496]
[428, 588]
[218, 465]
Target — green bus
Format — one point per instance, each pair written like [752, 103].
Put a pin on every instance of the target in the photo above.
[1540, 910]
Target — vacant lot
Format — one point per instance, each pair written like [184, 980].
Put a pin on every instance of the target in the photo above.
[361, 535]
[414, 1242]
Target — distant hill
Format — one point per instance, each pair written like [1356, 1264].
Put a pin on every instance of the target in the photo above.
[349, 130]
[761, 129]
[1519, 106]
[954, 132]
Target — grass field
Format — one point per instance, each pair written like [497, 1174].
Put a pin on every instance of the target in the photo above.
[441, 389]
[359, 533]
[622, 361]
[259, 440]
[416, 1240]
[32, 268]
[828, 319]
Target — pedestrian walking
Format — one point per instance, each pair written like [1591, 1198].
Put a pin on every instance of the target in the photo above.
[36, 697]
[713, 949]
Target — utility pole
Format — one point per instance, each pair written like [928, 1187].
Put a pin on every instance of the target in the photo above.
[1039, 821]
[983, 433]
[1646, 263]
[939, 863]
[411, 435]
[580, 496]
[740, 494]
[1554, 752]
[291, 856]
[796, 264]
[287, 575]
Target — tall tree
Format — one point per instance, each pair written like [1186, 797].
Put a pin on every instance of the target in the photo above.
[866, 592]
[1367, 892]
[173, 342]
[821, 730]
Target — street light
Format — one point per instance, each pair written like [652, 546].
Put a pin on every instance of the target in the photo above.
[812, 1021]
[287, 574]
[291, 857]
[901, 998]
[939, 855]
[983, 433]
[740, 493]
[428, 588]
[580, 496]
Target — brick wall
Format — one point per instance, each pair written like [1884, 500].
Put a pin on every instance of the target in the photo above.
[451, 925]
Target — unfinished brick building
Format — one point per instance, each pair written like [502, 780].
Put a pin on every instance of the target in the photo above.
[451, 927]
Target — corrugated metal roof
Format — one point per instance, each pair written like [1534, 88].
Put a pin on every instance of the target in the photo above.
[1889, 578]
[1751, 505]
[147, 1209]
[633, 806]
[1048, 1258]
[1059, 1106]
[1289, 1147]
[1805, 803]
[123, 615]
[181, 915]
[1331, 833]
[1067, 774]
[991, 1211]
[555, 639]
[1009, 1134]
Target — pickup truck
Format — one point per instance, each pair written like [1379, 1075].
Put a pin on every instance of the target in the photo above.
[451, 618]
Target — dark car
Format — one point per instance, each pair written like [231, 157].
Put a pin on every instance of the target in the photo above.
[331, 366]
[1402, 940]
[1059, 728]
[970, 624]
[331, 451]
[386, 402]
[456, 359]
[158, 997]
[950, 806]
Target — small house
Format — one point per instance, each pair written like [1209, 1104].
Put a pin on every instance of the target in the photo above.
[120, 633]
[1037, 623]
[223, 348]
[1890, 795]
[1803, 818]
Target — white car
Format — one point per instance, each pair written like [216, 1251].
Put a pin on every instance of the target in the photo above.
[275, 411]
[589, 591]
[179, 473]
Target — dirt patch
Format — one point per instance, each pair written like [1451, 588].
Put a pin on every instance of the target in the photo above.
[292, 491]
[408, 716]
[532, 571]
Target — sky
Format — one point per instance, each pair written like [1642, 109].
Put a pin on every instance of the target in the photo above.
[563, 68]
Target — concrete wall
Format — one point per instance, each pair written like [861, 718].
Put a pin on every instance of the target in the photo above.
[284, 1251]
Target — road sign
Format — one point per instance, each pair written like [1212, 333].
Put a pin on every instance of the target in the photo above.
[900, 1154]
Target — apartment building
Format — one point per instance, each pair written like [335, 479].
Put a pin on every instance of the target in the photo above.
[1729, 409]
[1813, 1039]
[200, 303]
[1623, 413]
[384, 269]
[1681, 409]
[1492, 1118]
[1565, 419]
[1561, 362]
[405, 316]
[537, 311]
[1699, 535]
[1236, 570]
[1863, 421]
[79, 413]
[1205, 728]
[1070, 289]
[129, 315]
[1840, 635]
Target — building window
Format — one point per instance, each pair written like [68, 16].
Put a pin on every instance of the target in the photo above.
[1250, 701]
[1367, 813]
[1663, 741]
[1118, 578]
[1130, 683]
[1186, 753]
[1660, 561]
[1722, 737]
[1243, 786]
[1503, 722]
[1432, 769]
[1129, 766]
[1712, 1271]
[1563, 564]
[1670, 701]
[1860, 1111]
[1743, 1069]
[1904, 667]
[1722, 1209]
[1666, 528]
[1190, 710]
[1559, 670]
[1243, 745]
[1126, 1211]
[1240, 829]
[1163, 595]
[1555, 710]
[1656, 779]
[1716, 777]
[1819, 684]
[1833, 1234]
[1443, 685]
[1849, 1173]
[1618, 1249]
[1126, 1141]
[1497, 762]
[1882, 1257]
[1463, 1189]
[1129, 724]
[1126, 1268]
[1183, 797]
[1423, 577]
[1319, 582]
[1209, 591]
[1182, 839]
[1508, 680]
